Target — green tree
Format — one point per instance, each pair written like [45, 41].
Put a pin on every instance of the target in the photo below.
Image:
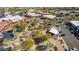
[18, 28]
[55, 48]
[37, 34]
[44, 38]
[28, 43]
[21, 27]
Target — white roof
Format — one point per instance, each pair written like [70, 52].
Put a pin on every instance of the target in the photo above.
[64, 11]
[54, 30]
[31, 10]
[33, 14]
[49, 16]
[76, 23]
[10, 17]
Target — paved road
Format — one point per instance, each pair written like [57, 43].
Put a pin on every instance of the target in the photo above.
[69, 38]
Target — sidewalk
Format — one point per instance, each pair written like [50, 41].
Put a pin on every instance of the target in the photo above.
[64, 43]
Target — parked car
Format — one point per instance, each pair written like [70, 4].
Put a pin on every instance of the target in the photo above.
[62, 34]
[72, 49]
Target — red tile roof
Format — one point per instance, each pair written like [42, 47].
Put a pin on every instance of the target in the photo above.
[5, 23]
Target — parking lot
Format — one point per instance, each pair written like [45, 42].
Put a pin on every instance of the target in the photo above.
[69, 38]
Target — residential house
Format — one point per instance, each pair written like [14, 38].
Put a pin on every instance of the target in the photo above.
[49, 16]
[9, 20]
[54, 31]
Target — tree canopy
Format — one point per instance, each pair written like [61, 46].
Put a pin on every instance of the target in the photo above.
[44, 38]
[28, 43]
[37, 33]
[20, 27]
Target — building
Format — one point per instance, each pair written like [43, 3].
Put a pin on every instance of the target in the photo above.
[33, 14]
[54, 31]
[12, 18]
[76, 23]
[19, 13]
[4, 25]
[9, 20]
[49, 16]
[73, 26]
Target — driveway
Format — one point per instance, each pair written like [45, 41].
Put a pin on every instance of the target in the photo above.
[69, 38]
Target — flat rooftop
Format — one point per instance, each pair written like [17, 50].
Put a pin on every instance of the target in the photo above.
[76, 23]
[54, 30]
[10, 17]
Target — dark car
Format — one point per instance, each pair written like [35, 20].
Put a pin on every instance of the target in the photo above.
[41, 48]
[62, 34]
[72, 49]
